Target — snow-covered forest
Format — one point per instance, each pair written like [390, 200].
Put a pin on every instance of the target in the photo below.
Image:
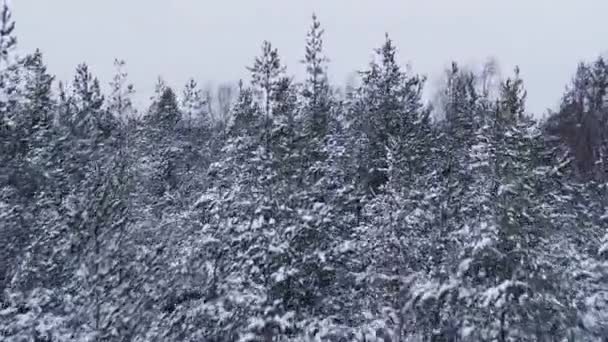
[298, 210]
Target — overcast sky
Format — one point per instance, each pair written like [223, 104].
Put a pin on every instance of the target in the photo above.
[213, 41]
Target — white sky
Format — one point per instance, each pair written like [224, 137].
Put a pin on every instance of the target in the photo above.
[213, 41]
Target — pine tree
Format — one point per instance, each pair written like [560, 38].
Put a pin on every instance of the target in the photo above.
[120, 103]
[317, 106]
[594, 274]
[388, 107]
[460, 148]
[198, 141]
[17, 179]
[162, 152]
[102, 266]
[39, 101]
[316, 88]
[245, 114]
[33, 170]
[8, 77]
[88, 120]
[193, 107]
[302, 213]
[165, 113]
[266, 74]
[7, 40]
[581, 116]
[159, 89]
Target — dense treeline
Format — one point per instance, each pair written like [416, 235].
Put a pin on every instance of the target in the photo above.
[307, 213]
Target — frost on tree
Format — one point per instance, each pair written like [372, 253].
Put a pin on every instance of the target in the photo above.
[303, 212]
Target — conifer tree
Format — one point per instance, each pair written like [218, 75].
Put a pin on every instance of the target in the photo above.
[266, 74]
[7, 40]
[89, 120]
[301, 213]
[389, 105]
[39, 101]
[316, 88]
[193, 106]
[162, 152]
[120, 103]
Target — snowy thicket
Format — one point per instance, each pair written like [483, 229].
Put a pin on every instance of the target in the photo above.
[305, 214]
